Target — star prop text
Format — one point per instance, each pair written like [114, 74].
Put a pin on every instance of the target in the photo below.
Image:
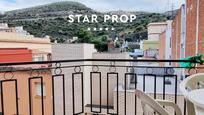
[79, 18]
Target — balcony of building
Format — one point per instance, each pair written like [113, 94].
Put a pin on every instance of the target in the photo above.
[90, 86]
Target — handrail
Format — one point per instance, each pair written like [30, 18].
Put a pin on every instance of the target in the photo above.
[100, 60]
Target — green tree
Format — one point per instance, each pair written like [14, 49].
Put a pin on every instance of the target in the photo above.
[83, 36]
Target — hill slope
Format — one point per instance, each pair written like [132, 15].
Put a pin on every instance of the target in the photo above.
[50, 10]
[51, 19]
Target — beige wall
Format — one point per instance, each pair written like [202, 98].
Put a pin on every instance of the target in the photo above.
[162, 47]
[154, 29]
[23, 95]
[85, 51]
[112, 79]
[15, 40]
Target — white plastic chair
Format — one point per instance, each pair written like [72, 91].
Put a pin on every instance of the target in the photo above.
[156, 105]
[193, 82]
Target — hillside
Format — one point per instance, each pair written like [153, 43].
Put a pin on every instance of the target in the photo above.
[51, 19]
[57, 9]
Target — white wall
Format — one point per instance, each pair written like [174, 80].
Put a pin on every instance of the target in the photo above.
[112, 80]
[183, 30]
[70, 52]
[168, 41]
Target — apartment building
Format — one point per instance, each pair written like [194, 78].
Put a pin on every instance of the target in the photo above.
[165, 43]
[176, 36]
[87, 51]
[155, 29]
[187, 30]
[151, 46]
[172, 40]
[194, 27]
[17, 48]
[19, 29]
[41, 47]
[22, 77]
[23, 96]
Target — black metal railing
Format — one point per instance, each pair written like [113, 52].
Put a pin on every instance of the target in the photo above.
[74, 87]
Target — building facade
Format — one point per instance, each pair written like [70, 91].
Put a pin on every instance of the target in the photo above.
[176, 36]
[187, 30]
[153, 43]
[162, 48]
[87, 51]
[165, 45]
[41, 48]
[155, 29]
[17, 48]
[194, 27]
[72, 52]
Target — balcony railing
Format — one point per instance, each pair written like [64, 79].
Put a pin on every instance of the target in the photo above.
[88, 86]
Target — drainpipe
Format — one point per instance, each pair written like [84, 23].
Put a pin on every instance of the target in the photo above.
[197, 25]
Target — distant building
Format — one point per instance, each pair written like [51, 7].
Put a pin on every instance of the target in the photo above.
[113, 48]
[155, 29]
[152, 44]
[20, 31]
[130, 46]
[165, 43]
[15, 40]
[147, 44]
[72, 40]
[150, 48]
[4, 27]
[151, 53]
[133, 45]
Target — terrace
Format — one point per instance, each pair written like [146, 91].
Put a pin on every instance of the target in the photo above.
[90, 86]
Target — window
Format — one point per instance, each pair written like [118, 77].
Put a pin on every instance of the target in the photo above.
[38, 57]
[39, 91]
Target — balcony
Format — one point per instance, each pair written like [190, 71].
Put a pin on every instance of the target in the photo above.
[89, 86]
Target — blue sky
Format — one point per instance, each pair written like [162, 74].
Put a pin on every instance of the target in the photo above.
[101, 5]
[11, 1]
